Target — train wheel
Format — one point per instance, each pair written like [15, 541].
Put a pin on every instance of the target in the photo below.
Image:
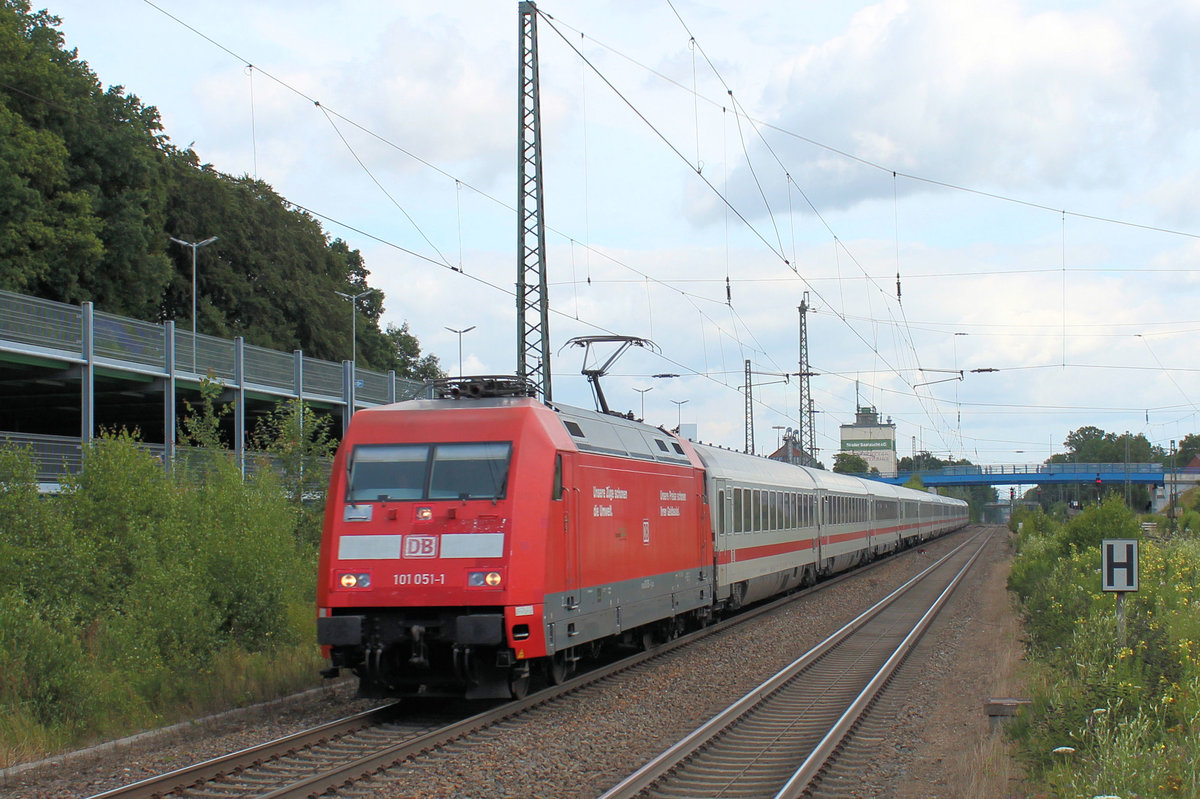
[518, 681]
[649, 639]
[676, 628]
[559, 669]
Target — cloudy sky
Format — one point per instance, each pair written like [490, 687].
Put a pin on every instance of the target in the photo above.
[1030, 170]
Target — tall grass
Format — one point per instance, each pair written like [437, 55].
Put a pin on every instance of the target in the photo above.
[136, 598]
[1110, 715]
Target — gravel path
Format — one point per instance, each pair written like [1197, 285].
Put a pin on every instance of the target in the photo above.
[579, 748]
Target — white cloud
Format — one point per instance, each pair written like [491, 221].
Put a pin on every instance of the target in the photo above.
[1085, 107]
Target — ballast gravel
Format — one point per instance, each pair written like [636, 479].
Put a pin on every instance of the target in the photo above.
[573, 748]
[117, 763]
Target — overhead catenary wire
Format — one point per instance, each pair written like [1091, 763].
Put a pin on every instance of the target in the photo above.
[674, 285]
[384, 190]
[331, 113]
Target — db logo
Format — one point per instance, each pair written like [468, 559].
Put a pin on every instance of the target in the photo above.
[420, 546]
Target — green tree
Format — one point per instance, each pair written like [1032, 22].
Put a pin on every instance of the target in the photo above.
[1187, 448]
[409, 362]
[849, 463]
[300, 446]
[91, 192]
[81, 179]
[1090, 444]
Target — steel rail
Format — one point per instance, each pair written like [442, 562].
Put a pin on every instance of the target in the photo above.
[656, 769]
[367, 765]
[824, 750]
[355, 769]
[235, 762]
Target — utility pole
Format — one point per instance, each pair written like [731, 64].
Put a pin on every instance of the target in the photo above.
[749, 450]
[533, 301]
[807, 432]
[1171, 503]
[809, 456]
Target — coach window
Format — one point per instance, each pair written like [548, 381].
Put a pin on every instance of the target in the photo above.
[747, 510]
[757, 502]
[737, 510]
[720, 512]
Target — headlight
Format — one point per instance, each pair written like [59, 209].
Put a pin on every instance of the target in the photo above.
[424, 514]
[484, 579]
[349, 580]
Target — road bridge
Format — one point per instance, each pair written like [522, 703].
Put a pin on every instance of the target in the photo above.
[1031, 474]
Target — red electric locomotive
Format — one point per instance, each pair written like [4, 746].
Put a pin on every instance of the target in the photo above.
[473, 538]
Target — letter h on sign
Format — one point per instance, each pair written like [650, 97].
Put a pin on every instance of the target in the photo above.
[1119, 570]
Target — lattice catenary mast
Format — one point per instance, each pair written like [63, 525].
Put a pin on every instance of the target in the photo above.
[533, 302]
[749, 410]
[808, 437]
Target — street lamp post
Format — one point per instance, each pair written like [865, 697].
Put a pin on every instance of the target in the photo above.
[460, 335]
[354, 298]
[679, 413]
[643, 391]
[778, 441]
[195, 245]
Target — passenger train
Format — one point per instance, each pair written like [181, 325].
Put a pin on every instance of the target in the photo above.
[477, 540]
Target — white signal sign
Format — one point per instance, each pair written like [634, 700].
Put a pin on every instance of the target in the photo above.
[1119, 564]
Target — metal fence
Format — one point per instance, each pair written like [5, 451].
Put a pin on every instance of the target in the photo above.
[45, 327]
[56, 458]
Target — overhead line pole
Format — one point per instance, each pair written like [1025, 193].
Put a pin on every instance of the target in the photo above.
[533, 301]
[808, 436]
[749, 411]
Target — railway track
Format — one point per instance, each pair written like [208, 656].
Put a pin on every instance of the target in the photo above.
[344, 753]
[260, 770]
[784, 738]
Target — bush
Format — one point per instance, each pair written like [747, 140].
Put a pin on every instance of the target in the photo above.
[137, 596]
[1126, 709]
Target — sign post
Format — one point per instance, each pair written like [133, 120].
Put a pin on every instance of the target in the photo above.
[1119, 573]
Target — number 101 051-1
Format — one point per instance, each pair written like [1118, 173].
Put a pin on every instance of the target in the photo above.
[419, 579]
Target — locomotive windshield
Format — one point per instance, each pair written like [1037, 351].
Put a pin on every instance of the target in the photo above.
[381, 472]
